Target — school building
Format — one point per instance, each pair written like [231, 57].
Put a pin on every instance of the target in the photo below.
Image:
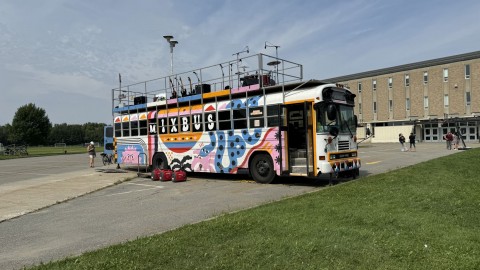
[428, 98]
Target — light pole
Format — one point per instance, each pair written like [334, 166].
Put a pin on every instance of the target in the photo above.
[172, 43]
[276, 62]
[238, 61]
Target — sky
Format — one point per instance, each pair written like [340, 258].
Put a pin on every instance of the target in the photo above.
[65, 55]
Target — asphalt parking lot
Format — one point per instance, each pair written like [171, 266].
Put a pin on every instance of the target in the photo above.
[49, 212]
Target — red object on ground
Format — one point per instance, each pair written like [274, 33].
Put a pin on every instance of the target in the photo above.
[166, 175]
[179, 176]
[156, 174]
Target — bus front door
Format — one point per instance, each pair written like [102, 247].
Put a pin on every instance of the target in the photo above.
[300, 138]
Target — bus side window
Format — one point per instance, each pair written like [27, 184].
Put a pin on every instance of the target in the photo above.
[118, 129]
[143, 127]
[240, 119]
[256, 117]
[126, 129]
[273, 111]
[134, 127]
[224, 120]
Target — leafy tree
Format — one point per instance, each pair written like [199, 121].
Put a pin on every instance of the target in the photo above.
[4, 134]
[93, 132]
[30, 125]
[69, 134]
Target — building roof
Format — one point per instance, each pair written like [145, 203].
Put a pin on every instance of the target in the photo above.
[417, 65]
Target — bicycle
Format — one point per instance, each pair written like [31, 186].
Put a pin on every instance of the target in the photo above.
[107, 159]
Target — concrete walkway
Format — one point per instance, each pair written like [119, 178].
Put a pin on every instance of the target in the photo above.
[45, 189]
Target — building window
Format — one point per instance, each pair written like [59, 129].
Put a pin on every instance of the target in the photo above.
[374, 107]
[407, 104]
[359, 87]
[407, 80]
[425, 77]
[467, 98]
[467, 71]
[390, 105]
[374, 85]
[445, 74]
[390, 82]
[425, 102]
[445, 101]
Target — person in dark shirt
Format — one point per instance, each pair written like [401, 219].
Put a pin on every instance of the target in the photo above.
[411, 138]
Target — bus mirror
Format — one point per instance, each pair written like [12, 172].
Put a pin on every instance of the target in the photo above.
[356, 120]
[333, 131]
[331, 112]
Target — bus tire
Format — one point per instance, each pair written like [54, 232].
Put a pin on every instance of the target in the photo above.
[159, 161]
[261, 169]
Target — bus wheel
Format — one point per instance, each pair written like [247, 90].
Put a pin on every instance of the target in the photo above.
[159, 161]
[261, 169]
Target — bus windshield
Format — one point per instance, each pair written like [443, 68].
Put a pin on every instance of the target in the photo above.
[344, 118]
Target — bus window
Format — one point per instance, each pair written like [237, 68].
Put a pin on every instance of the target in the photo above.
[134, 128]
[118, 130]
[173, 124]
[240, 119]
[273, 112]
[256, 117]
[197, 123]
[224, 120]
[143, 127]
[126, 129]
[344, 118]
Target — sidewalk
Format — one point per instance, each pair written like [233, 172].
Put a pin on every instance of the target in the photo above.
[28, 196]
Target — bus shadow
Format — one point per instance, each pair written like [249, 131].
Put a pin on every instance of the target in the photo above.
[321, 181]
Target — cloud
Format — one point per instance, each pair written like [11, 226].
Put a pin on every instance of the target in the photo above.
[78, 47]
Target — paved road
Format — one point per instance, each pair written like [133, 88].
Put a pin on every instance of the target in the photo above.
[139, 207]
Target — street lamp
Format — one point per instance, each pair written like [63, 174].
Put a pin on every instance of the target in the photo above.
[276, 62]
[172, 43]
[238, 61]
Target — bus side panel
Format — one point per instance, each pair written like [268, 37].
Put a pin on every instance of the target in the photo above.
[132, 151]
[227, 151]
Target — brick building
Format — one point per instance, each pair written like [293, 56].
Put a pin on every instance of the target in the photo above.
[428, 98]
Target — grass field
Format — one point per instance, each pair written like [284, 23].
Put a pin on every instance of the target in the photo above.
[420, 217]
[37, 151]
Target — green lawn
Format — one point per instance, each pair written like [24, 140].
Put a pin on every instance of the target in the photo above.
[37, 151]
[425, 216]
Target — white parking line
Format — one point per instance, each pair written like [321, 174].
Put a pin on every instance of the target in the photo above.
[129, 183]
[152, 187]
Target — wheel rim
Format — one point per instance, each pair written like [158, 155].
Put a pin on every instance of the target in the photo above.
[263, 168]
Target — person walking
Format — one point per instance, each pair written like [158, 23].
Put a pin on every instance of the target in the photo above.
[401, 139]
[411, 138]
[91, 153]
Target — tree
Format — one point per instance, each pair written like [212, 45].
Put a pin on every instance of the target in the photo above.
[30, 125]
[4, 134]
[69, 134]
[93, 132]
